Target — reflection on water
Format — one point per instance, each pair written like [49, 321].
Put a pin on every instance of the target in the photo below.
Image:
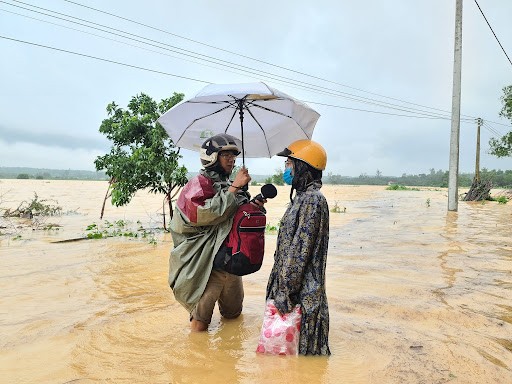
[453, 249]
[416, 295]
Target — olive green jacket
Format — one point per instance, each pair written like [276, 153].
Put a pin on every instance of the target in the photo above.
[202, 219]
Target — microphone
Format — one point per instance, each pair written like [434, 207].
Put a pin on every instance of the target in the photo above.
[268, 191]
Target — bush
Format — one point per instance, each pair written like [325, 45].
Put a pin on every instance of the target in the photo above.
[502, 200]
[398, 187]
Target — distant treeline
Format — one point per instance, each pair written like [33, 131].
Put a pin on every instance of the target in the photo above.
[69, 174]
[499, 179]
[49, 174]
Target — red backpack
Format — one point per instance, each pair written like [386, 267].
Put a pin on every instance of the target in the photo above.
[243, 250]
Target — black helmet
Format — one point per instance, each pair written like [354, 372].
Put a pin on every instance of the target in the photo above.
[212, 146]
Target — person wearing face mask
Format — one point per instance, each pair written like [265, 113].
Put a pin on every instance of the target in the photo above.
[298, 273]
[202, 219]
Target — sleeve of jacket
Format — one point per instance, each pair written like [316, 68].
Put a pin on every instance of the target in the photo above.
[201, 205]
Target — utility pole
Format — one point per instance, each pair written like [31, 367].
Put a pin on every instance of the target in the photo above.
[478, 191]
[453, 173]
[479, 122]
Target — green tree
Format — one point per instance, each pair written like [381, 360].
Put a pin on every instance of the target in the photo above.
[142, 154]
[276, 178]
[502, 147]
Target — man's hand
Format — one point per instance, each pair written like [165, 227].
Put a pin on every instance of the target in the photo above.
[258, 202]
[242, 178]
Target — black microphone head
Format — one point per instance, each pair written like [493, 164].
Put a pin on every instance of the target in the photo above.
[268, 191]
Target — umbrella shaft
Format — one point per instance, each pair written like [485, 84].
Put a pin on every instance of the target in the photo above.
[241, 113]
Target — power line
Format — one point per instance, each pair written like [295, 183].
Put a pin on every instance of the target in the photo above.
[378, 112]
[124, 42]
[188, 78]
[311, 87]
[303, 85]
[491, 129]
[258, 60]
[496, 37]
[114, 40]
[246, 57]
[294, 82]
[265, 62]
[307, 86]
[106, 60]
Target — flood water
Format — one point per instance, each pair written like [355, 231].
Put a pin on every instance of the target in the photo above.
[416, 295]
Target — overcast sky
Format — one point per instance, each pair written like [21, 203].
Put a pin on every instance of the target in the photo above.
[363, 53]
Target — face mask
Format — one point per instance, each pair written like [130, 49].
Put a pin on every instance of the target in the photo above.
[287, 176]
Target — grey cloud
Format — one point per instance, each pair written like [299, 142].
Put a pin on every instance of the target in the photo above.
[52, 139]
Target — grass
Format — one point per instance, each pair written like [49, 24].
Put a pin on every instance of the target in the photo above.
[35, 214]
[501, 200]
[271, 228]
[338, 209]
[119, 228]
[399, 187]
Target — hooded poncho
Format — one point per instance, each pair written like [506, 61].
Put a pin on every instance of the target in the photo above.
[202, 219]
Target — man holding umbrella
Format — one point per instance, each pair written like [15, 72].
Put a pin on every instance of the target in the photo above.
[202, 219]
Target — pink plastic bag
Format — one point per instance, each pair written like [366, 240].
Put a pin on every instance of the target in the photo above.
[279, 334]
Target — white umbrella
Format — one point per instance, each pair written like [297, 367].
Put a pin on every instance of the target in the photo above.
[263, 118]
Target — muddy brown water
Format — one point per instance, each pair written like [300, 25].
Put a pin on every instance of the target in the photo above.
[416, 295]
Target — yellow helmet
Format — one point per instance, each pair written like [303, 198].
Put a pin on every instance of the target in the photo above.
[308, 151]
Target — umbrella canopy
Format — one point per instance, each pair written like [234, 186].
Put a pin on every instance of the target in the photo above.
[263, 118]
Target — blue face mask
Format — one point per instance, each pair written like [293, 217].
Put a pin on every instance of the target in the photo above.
[287, 176]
